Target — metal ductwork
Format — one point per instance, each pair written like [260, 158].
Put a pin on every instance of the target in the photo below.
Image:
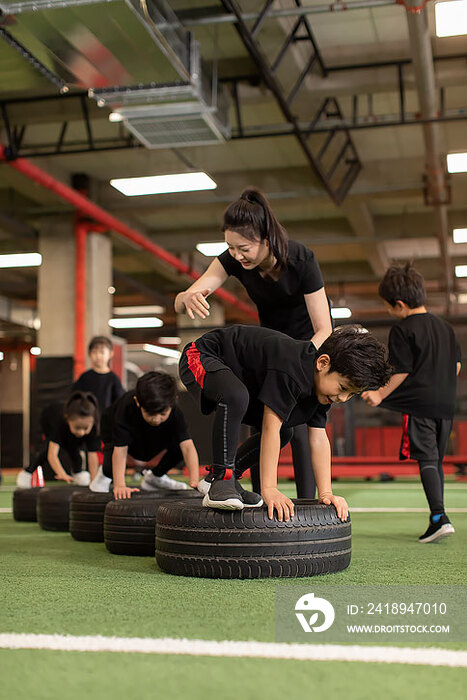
[133, 56]
[192, 113]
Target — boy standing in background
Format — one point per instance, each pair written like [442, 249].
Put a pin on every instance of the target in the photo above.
[100, 380]
[426, 358]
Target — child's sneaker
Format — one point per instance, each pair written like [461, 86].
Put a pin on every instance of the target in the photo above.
[82, 478]
[100, 483]
[153, 483]
[250, 498]
[437, 530]
[23, 480]
[223, 494]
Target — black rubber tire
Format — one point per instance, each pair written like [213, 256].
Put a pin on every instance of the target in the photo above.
[53, 506]
[25, 504]
[87, 510]
[196, 541]
[129, 524]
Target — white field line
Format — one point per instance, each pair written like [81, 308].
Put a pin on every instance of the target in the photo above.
[448, 486]
[402, 510]
[263, 650]
[6, 510]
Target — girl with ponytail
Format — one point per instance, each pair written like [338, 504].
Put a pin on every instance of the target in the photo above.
[283, 279]
[71, 434]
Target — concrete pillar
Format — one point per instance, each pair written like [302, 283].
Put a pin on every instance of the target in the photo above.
[56, 291]
[14, 408]
[98, 281]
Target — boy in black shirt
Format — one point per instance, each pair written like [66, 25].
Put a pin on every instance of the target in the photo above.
[143, 424]
[265, 379]
[100, 379]
[426, 357]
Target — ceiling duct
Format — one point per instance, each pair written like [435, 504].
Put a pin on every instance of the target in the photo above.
[192, 113]
[133, 56]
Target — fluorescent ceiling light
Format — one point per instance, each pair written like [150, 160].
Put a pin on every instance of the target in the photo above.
[457, 162]
[211, 250]
[21, 260]
[461, 270]
[451, 18]
[146, 322]
[35, 350]
[341, 312]
[459, 235]
[136, 310]
[2, 356]
[169, 340]
[165, 352]
[163, 184]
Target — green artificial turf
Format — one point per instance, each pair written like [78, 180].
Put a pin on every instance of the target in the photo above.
[53, 584]
[43, 675]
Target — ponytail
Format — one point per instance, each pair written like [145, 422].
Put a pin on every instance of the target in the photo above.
[252, 217]
[82, 404]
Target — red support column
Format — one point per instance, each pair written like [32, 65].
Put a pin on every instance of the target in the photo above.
[81, 229]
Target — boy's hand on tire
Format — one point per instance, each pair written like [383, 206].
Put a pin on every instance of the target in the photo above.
[123, 492]
[274, 499]
[338, 502]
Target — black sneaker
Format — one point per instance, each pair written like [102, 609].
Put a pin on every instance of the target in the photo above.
[250, 498]
[223, 494]
[436, 531]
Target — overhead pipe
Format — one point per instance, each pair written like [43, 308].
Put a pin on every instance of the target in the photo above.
[86, 207]
[436, 181]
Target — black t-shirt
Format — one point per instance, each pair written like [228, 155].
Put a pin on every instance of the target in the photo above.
[424, 346]
[107, 387]
[124, 425]
[56, 429]
[277, 371]
[281, 304]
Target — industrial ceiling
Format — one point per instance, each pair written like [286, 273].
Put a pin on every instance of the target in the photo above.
[341, 114]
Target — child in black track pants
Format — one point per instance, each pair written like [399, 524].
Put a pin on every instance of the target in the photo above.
[426, 357]
[265, 379]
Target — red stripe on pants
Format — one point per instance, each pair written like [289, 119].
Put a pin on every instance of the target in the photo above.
[194, 364]
[405, 450]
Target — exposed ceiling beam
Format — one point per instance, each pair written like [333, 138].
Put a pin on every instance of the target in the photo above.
[359, 216]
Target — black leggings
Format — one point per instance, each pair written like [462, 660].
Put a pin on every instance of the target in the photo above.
[301, 455]
[427, 443]
[172, 459]
[230, 397]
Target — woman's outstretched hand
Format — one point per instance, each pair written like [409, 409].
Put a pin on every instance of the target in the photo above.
[196, 303]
